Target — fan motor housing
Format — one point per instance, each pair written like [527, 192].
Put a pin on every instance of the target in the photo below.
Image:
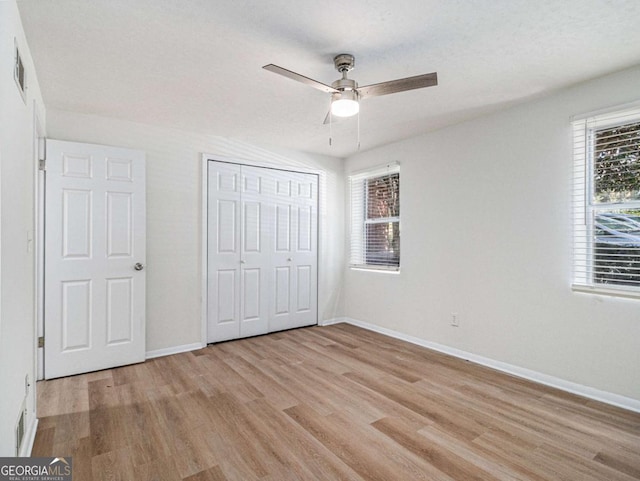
[344, 62]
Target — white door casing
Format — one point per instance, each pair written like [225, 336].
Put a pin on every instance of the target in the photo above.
[262, 250]
[94, 237]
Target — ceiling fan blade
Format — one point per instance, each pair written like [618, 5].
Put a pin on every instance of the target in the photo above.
[400, 85]
[300, 78]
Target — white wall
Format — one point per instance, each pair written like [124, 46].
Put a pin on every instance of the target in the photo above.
[17, 324]
[486, 216]
[174, 260]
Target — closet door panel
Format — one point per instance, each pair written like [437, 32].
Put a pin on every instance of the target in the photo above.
[223, 252]
[304, 289]
[294, 259]
[282, 274]
[256, 216]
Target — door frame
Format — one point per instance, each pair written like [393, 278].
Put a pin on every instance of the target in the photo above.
[204, 197]
[39, 154]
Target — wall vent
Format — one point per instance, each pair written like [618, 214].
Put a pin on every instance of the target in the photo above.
[19, 74]
[20, 428]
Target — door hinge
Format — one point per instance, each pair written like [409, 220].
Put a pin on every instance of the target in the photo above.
[41, 341]
[42, 164]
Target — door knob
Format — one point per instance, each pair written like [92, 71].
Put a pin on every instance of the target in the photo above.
[289, 259]
[138, 266]
[242, 262]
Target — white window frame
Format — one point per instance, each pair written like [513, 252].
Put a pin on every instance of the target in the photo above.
[358, 220]
[584, 208]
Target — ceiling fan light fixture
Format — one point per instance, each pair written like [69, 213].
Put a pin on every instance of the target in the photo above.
[345, 104]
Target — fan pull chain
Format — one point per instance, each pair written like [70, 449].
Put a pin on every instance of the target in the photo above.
[330, 127]
[358, 130]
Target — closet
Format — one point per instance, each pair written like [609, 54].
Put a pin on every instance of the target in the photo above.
[262, 250]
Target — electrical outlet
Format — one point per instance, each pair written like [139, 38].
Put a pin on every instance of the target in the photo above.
[455, 322]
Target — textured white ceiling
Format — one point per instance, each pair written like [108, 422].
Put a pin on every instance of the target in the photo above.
[196, 64]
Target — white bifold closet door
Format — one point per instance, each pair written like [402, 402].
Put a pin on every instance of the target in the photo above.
[262, 250]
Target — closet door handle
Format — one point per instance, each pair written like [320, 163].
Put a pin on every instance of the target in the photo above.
[289, 259]
[242, 262]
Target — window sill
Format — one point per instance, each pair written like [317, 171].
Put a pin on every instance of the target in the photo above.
[373, 269]
[605, 291]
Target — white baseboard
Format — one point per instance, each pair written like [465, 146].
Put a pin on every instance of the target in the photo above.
[335, 320]
[562, 384]
[167, 351]
[30, 438]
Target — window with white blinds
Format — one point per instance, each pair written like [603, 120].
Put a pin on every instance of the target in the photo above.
[375, 218]
[607, 202]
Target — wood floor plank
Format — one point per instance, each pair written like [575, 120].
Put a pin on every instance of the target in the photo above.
[577, 468]
[159, 470]
[65, 395]
[114, 465]
[328, 403]
[621, 460]
[309, 457]
[232, 421]
[371, 456]
[225, 380]
[82, 460]
[296, 385]
[43, 442]
[211, 474]
[266, 385]
[70, 428]
[551, 425]
[461, 425]
[443, 459]
[102, 394]
[497, 468]
[195, 456]
[516, 452]
[300, 346]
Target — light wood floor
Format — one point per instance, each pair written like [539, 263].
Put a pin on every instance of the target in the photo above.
[328, 403]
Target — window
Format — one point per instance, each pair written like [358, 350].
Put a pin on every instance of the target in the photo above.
[607, 201]
[375, 218]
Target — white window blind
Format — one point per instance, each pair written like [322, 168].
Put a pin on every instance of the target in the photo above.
[607, 201]
[375, 218]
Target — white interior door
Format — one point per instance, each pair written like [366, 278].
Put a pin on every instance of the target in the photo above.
[262, 250]
[94, 258]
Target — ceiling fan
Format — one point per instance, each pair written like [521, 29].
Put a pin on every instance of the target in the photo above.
[345, 93]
